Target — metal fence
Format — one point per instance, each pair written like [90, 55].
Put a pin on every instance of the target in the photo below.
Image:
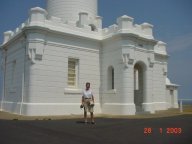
[183, 102]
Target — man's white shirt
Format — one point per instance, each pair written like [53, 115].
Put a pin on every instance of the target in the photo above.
[87, 93]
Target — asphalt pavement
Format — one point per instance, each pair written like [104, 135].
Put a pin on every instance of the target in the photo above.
[167, 130]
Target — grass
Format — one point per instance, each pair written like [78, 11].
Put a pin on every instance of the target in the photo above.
[187, 109]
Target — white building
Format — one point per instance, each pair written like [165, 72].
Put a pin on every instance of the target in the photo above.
[48, 59]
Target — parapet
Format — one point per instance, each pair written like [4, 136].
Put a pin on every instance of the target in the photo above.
[86, 27]
[7, 36]
[147, 29]
[160, 48]
[125, 24]
[40, 17]
[37, 14]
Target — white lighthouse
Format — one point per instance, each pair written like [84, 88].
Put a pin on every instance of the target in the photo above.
[68, 10]
[48, 59]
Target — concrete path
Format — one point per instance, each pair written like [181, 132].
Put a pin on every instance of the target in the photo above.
[168, 130]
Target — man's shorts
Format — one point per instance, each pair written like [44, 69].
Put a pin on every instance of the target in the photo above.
[87, 106]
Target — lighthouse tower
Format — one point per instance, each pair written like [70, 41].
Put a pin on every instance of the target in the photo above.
[68, 10]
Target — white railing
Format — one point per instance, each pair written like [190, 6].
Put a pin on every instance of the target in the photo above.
[181, 103]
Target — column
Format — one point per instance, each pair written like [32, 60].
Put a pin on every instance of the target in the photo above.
[127, 90]
[148, 91]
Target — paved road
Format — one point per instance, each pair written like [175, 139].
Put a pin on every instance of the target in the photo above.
[106, 131]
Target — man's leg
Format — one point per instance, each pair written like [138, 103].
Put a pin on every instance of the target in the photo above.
[85, 116]
[92, 118]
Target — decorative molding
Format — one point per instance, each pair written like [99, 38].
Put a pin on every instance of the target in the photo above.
[127, 60]
[72, 47]
[72, 91]
[31, 54]
[164, 71]
[160, 63]
[112, 91]
[35, 51]
[151, 62]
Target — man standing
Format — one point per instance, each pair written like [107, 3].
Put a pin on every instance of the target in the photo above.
[88, 103]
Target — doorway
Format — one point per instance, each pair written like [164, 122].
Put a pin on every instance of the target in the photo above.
[139, 86]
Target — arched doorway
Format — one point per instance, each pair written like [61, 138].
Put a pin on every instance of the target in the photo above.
[139, 73]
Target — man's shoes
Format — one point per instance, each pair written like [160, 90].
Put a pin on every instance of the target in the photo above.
[85, 122]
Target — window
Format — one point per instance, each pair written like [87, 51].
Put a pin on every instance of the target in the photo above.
[111, 78]
[13, 75]
[72, 72]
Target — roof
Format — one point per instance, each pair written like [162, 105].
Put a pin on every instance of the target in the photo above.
[169, 83]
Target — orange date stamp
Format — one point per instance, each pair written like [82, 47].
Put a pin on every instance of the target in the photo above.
[170, 130]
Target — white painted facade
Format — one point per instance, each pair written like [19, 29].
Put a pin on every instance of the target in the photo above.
[126, 66]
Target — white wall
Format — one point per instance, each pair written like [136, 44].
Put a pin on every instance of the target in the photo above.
[159, 83]
[172, 99]
[13, 91]
[114, 101]
[48, 90]
[121, 100]
[154, 75]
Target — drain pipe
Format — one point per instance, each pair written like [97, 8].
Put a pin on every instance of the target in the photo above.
[181, 106]
[4, 77]
[23, 76]
[1, 69]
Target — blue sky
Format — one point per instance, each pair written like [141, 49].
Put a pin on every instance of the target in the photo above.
[172, 22]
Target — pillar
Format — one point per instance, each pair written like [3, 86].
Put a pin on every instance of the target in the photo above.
[127, 90]
[125, 22]
[7, 36]
[37, 14]
[148, 91]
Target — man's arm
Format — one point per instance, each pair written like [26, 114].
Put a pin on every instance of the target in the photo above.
[93, 99]
[82, 100]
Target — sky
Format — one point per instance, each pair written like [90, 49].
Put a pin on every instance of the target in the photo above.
[172, 20]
